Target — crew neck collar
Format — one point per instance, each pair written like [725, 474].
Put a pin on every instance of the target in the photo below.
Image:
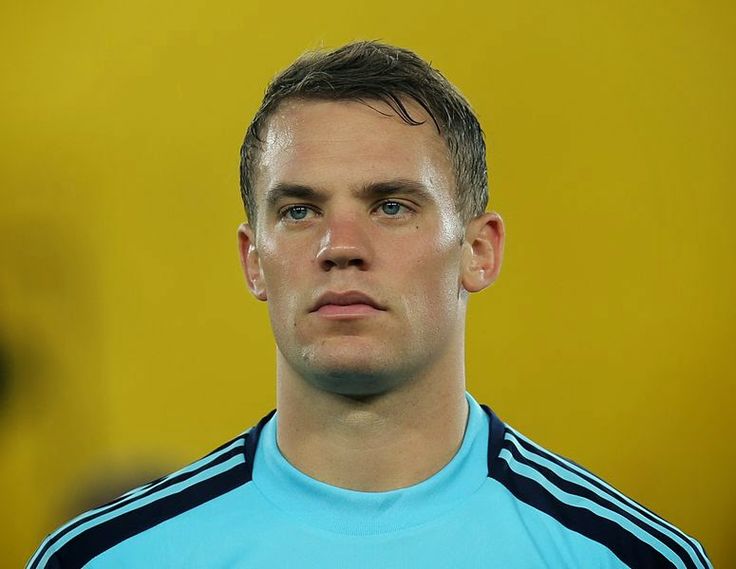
[339, 510]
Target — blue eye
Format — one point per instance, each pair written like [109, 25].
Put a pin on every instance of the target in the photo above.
[296, 212]
[391, 208]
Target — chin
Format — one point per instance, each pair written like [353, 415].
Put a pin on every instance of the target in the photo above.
[358, 375]
[349, 365]
[350, 384]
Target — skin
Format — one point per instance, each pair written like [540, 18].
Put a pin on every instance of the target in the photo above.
[372, 402]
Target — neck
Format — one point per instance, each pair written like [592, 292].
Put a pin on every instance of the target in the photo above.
[375, 444]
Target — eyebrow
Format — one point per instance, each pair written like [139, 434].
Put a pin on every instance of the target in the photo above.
[371, 190]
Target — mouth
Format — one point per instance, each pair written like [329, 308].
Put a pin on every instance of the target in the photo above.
[349, 304]
[346, 310]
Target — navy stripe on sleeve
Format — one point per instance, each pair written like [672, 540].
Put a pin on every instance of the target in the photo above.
[585, 504]
[150, 504]
[104, 536]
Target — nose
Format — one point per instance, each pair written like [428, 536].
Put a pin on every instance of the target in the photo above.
[345, 244]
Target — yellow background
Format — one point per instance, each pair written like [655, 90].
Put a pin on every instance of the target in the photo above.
[131, 346]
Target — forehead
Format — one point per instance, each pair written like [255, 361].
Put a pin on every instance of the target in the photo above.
[342, 143]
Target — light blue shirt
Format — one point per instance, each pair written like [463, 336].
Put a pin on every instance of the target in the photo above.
[502, 501]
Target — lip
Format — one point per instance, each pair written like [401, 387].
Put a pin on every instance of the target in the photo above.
[337, 311]
[344, 304]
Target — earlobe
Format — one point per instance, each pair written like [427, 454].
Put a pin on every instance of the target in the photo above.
[250, 261]
[482, 251]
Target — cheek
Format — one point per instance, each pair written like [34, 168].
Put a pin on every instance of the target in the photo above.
[281, 268]
[432, 284]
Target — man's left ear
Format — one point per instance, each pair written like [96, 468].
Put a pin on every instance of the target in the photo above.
[482, 251]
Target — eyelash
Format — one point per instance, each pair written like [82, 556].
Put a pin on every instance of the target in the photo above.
[284, 212]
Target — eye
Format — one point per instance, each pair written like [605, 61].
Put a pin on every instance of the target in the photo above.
[295, 212]
[392, 208]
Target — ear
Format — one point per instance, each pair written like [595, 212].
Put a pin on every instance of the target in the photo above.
[482, 251]
[250, 260]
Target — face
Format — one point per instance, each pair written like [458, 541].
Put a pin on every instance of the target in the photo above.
[358, 248]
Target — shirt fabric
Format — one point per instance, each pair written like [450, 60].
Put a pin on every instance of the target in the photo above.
[501, 502]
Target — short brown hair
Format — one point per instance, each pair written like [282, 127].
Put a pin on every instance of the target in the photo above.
[369, 70]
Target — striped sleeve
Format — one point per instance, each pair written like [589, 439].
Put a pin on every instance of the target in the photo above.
[584, 503]
[95, 531]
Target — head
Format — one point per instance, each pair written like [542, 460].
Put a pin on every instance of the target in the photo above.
[360, 238]
[370, 71]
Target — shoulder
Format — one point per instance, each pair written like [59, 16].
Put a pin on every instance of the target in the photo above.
[585, 504]
[88, 535]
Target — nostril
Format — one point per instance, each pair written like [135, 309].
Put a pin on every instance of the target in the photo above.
[328, 264]
[343, 252]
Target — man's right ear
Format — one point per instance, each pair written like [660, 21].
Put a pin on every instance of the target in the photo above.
[250, 260]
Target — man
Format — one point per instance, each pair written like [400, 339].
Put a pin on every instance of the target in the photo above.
[364, 180]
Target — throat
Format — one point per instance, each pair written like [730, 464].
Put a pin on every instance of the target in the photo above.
[366, 452]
